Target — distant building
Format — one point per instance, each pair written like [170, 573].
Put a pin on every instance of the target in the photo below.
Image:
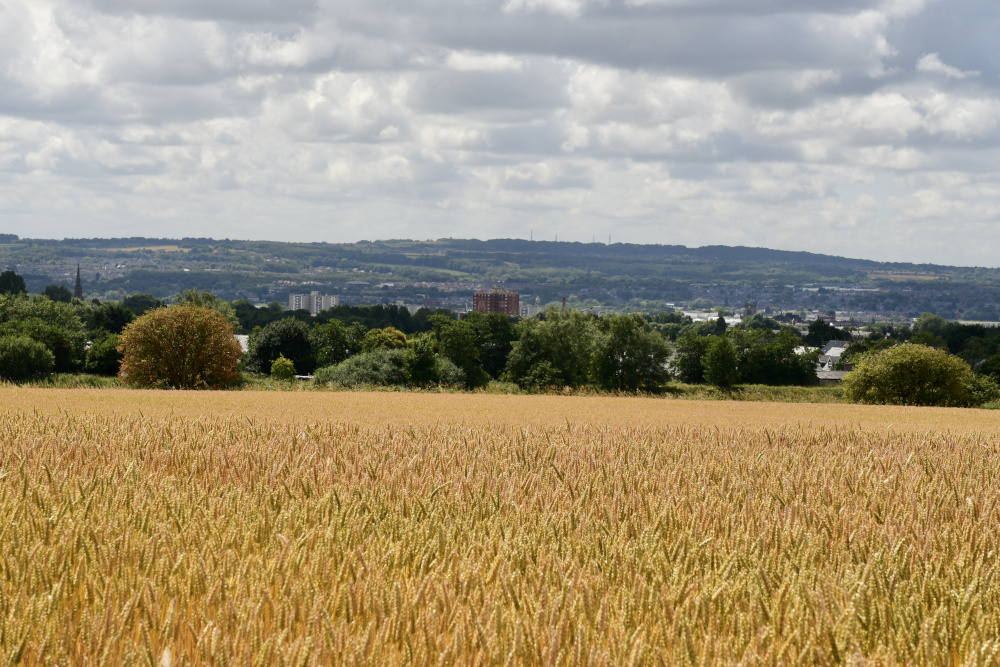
[529, 310]
[831, 352]
[314, 302]
[497, 301]
[78, 287]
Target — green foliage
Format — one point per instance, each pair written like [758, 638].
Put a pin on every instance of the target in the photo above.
[628, 355]
[493, 335]
[860, 348]
[456, 342]
[758, 321]
[912, 374]
[673, 317]
[282, 369]
[103, 357]
[929, 338]
[12, 283]
[378, 368]
[183, 347]
[58, 293]
[333, 342]
[721, 363]
[764, 357]
[54, 324]
[421, 363]
[206, 299]
[934, 324]
[111, 317]
[449, 375]
[555, 351]
[821, 331]
[388, 338]
[141, 303]
[689, 357]
[23, 359]
[287, 337]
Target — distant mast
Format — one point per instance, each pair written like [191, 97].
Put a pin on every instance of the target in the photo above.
[78, 288]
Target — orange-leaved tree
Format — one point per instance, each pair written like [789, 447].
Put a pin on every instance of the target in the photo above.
[183, 347]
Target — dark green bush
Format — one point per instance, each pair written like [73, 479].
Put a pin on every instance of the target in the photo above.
[23, 359]
[912, 374]
[103, 357]
[378, 368]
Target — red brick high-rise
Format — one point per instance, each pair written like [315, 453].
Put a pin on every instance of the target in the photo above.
[497, 301]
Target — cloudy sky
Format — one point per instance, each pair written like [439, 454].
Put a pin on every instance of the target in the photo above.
[865, 128]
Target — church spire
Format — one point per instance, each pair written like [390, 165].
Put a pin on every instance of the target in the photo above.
[78, 289]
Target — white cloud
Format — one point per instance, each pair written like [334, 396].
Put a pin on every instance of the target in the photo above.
[564, 7]
[932, 63]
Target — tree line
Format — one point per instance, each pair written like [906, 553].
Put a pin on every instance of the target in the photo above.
[387, 345]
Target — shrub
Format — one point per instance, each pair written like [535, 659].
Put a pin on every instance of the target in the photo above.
[282, 369]
[378, 368]
[912, 374]
[22, 359]
[449, 375]
[185, 347]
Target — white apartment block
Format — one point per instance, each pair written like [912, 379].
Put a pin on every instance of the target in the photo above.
[314, 302]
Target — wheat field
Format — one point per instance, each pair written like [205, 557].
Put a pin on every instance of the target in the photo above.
[175, 528]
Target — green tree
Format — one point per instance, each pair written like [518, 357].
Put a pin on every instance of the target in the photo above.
[111, 317]
[689, 357]
[493, 335]
[332, 343]
[288, 337]
[765, 357]
[388, 338]
[54, 324]
[555, 351]
[282, 369]
[628, 355]
[456, 342]
[206, 299]
[821, 331]
[184, 347]
[58, 293]
[103, 357]
[23, 359]
[421, 362]
[912, 374]
[141, 303]
[721, 363]
[12, 283]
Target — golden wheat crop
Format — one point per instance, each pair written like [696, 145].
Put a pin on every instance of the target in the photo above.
[383, 529]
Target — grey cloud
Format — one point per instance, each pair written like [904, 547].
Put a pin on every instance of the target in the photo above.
[703, 120]
[250, 11]
[962, 32]
[443, 92]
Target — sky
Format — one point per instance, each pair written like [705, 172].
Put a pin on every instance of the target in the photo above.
[861, 128]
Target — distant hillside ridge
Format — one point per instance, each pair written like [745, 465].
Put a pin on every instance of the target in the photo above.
[717, 253]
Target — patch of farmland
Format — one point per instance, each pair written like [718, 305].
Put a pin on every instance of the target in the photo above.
[344, 528]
